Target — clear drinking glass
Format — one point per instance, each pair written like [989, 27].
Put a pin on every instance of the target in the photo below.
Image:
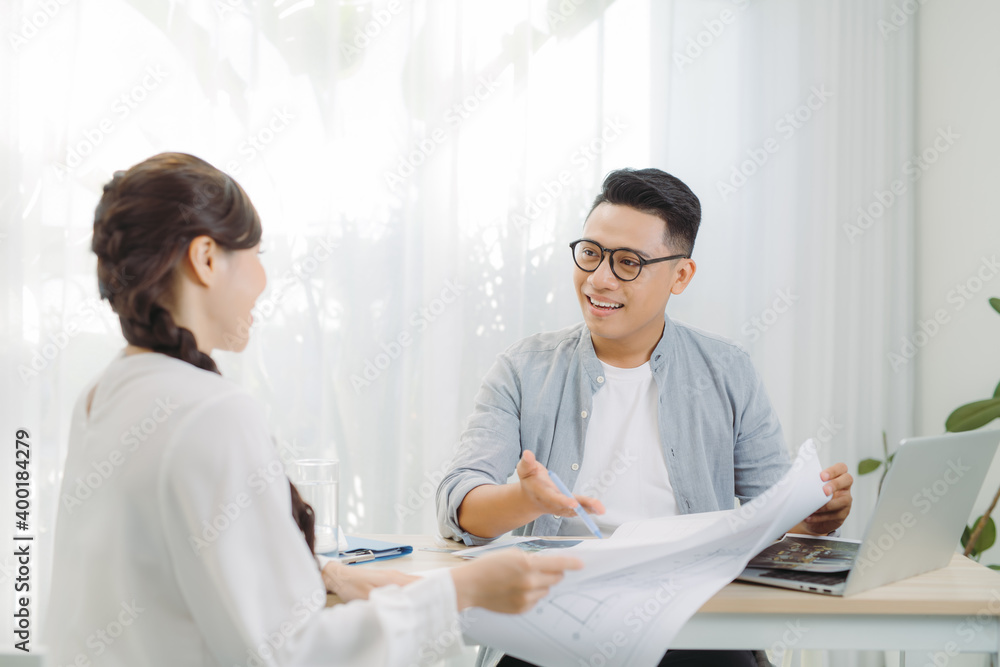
[318, 483]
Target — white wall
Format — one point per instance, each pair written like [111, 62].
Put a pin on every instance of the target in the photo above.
[958, 225]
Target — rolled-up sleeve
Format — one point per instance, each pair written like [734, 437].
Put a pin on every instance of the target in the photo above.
[488, 450]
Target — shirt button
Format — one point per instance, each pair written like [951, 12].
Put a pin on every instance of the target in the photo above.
[584, 414]
[575, 466]
[600, 379]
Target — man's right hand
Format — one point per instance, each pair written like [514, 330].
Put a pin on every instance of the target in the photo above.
[490, 510]
[541, 492]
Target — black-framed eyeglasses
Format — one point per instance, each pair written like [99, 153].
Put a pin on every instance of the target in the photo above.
[626, 263]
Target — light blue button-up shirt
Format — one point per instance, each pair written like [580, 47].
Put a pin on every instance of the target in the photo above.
[720, 436]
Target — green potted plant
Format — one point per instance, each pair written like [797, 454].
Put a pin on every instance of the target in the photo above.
[983, 533]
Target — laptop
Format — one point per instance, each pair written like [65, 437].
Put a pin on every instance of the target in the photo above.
[926, 499]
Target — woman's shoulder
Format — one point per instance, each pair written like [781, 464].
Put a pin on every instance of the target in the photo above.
[176, 394]
[154, 373]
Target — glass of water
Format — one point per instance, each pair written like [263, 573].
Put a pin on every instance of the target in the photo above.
[318, 483]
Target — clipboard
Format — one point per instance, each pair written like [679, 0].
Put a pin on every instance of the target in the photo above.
[361, 550]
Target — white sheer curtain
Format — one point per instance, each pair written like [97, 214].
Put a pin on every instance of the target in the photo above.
[420, 168]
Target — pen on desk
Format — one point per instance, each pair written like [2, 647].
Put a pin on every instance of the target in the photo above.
[580, 511]
[358, 556]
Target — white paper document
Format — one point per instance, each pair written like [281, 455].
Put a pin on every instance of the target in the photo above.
[640, 586]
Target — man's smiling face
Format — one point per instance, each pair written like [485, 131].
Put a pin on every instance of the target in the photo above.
[627, 316]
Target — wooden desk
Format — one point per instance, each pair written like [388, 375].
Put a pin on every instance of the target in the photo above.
[955, 609]
[952, 610]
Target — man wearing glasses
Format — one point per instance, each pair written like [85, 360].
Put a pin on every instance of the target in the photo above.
[639, 415]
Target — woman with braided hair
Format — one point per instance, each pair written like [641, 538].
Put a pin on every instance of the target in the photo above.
[187, 547]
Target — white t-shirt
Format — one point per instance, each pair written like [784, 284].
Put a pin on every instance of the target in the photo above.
[175, 543]
[623, 462]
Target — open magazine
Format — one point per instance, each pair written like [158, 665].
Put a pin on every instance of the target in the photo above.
[808, 554]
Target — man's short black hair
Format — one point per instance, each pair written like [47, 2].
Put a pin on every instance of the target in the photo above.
[657, 193]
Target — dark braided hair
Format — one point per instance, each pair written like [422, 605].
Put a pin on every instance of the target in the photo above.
[304, 516]
[143, 225]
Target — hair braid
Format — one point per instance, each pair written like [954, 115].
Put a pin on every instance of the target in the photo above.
[161, 334]
[304, 516]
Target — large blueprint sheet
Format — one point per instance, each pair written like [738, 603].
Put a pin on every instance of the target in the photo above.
[640, 586]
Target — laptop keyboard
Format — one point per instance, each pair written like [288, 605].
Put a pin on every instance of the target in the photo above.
[809, 577]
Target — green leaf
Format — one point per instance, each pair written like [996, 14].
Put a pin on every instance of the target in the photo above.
[995, 302]
[868, 465]
[891, 457]
[973, 415]
[996, 392]
[986, 538]
[974, 555]
[994, 567]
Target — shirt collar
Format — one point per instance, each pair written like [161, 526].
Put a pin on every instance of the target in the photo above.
[661, 353]
[657, 361]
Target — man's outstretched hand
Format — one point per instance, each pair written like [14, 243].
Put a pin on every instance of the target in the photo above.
[539, 490]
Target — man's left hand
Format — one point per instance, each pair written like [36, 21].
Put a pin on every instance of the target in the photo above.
[831, 516]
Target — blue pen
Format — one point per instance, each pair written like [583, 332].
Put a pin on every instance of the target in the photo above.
[580, 512]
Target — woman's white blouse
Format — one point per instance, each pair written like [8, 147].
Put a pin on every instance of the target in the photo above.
[175, 543]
